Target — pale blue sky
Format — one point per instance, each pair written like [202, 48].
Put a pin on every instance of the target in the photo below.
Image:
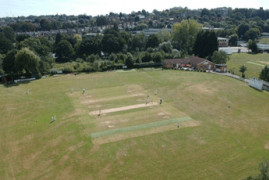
[98, 7]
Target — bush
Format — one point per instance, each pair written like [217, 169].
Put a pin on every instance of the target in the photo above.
[38, 76]
[68, 69]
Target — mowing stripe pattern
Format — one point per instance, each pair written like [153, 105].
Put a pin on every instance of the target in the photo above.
[139, 127]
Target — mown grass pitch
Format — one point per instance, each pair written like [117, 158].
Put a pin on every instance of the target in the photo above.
[254, 62]
[227, 143]
[139, 127]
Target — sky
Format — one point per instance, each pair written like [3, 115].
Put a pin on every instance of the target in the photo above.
[8, 8]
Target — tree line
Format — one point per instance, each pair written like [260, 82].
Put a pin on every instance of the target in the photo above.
[24, 54]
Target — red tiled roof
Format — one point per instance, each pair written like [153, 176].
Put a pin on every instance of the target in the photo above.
[194, 60]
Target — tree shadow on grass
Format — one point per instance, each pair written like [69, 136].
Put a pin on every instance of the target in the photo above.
[9, 85]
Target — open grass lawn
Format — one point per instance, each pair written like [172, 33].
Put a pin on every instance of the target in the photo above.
[254, 62]
[134, 142]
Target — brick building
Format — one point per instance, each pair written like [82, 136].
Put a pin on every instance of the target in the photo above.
[193, 62]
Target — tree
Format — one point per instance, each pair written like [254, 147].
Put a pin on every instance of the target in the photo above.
[184, 34]
[110, 44]
[242, 29]
[26, 60]
[166, 47]
[139, 41]
[152, 41]
[252, 33]
[129, 62]
[89, 46]
[233, 40]
[220, 57]
[5, 44]
[264, 171]
[242, 69]
[45, 24]
[22, 37]
[1, 64]
[264, 74]
[163, 36]
[205, 12]
[252, 45]
[205, 45]
[101, 21]
[9, 62]
[64, 51]
[157, 57]
[9, 33]
[35, 45]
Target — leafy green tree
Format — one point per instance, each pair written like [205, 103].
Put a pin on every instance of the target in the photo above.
[252, 45]
[205, 12]
[129, 62]
[101, 21]
[58, 38]
[164, 36]
[242, 29]
[26, 60]
[45, 24]
[5, 44]
[89, 46]
[9, 62]
[220, 57]
[184, 34]
[22, 37]
[253, 33]
[35, 45]
[166, 47]
[157, 57]
[110, 44]
[205, 45]
[139, 41]
[243, 69]
[64, 51]
[152, 41]
[9, 33]
[233, 40]
[146, 57]
[264, 74]
[1, 64]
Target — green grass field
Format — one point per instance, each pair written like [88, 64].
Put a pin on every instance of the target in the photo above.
[254, 62]
[212, 142]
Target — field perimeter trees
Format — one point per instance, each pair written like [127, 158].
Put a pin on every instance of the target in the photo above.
[206, 43]
[184, 34]
[26, 60]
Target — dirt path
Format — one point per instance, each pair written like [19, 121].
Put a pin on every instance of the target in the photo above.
[113, 98]
[123, 108]
[233, 76]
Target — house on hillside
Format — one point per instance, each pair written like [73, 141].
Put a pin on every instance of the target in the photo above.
[192, 62]
[223, 42]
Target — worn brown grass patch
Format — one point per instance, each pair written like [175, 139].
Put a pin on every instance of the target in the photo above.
[88, 101]
[123, 108]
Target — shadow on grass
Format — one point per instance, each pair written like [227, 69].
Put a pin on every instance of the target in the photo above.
[9, 85]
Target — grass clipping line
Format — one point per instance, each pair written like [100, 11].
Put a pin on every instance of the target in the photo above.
[139, 127]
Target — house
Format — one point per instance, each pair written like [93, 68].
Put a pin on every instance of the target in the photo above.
[222, 68]
[223, 42]
[195, 62]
